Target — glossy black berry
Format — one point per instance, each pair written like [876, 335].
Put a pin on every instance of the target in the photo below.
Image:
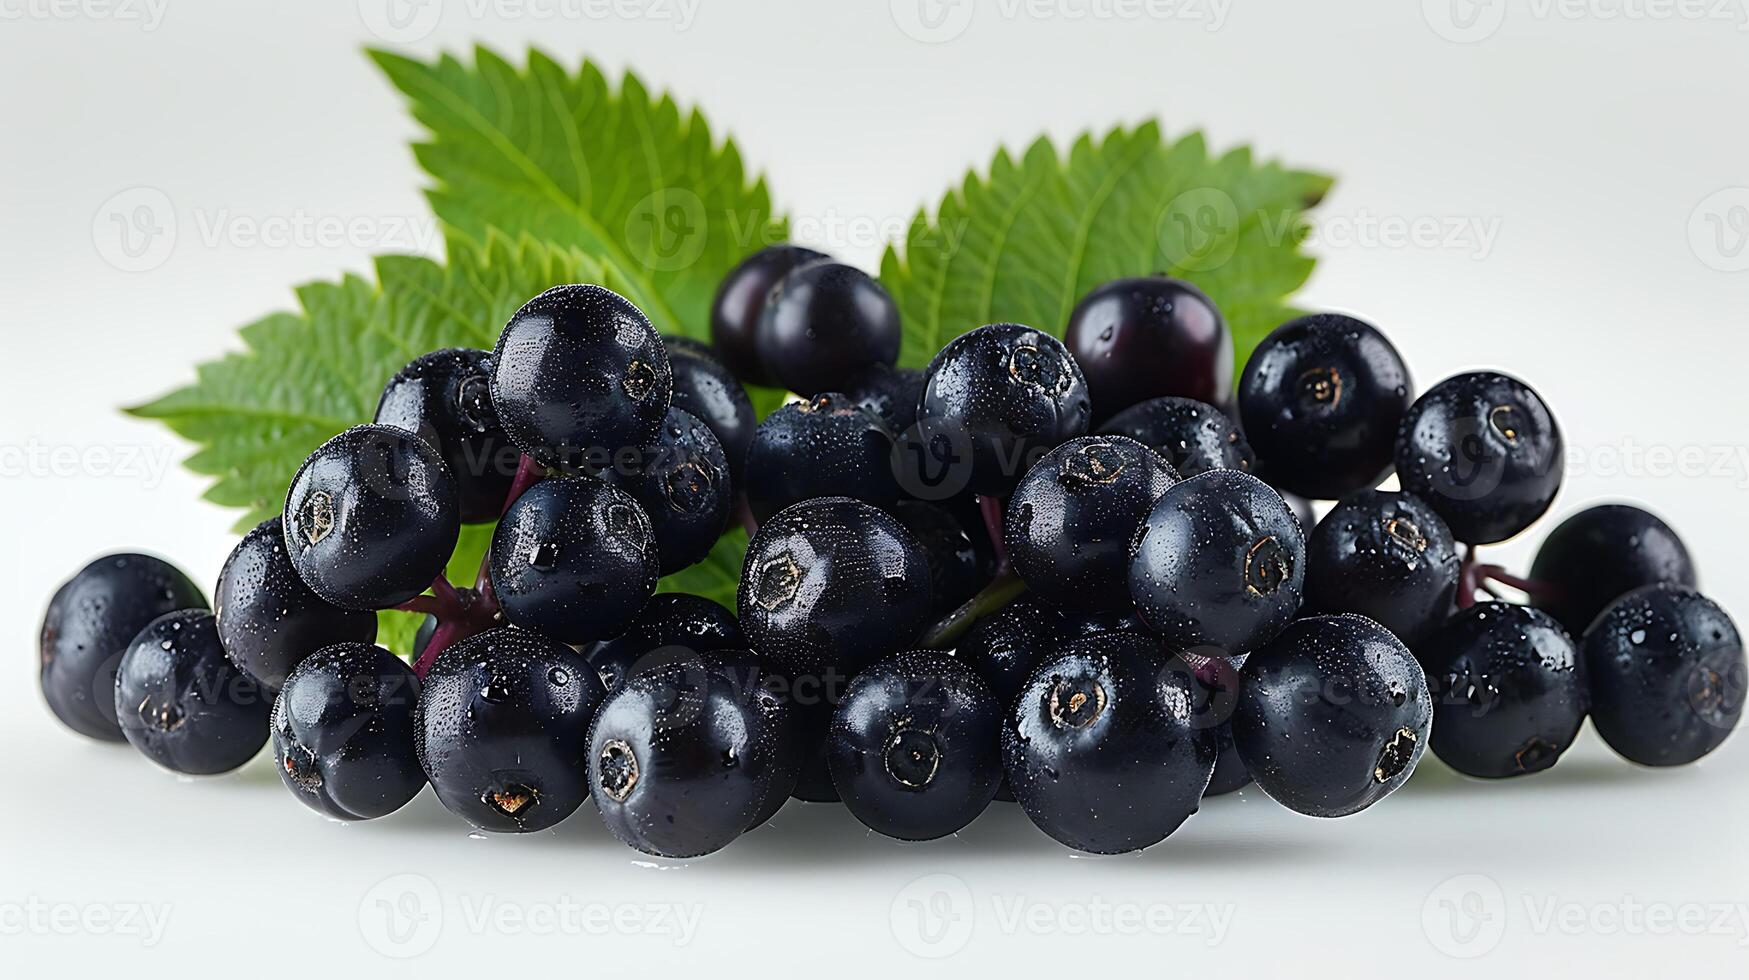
[1667, 675]
[995, 400]
[89, 624]
[343, 732]
[1599, 555]
[1069, 523]
[686, 757]
[684, 486]
[1147, 337]
[673, 626]
[1508, 690]
[824, 325]
[891, 393]
[1386, 556]
[707, 389]
[183, 704]
[1332, 716]
[1321, 399]
[371, 518]
[574, 559]
[1219, 564]
[832, 583]
[503, 729]
[269, 620]
[1485, 452]
[1194, 436]
[828, 446]
[958, 568]
[914, 746]
[1102, 748]
[445, 398]
[1006, 646]
[740, 302]
[579, 376]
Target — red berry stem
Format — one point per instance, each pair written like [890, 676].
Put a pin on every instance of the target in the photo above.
[1529, 586]
[991, 508]
[430, 605]
[1468, 581]
[528, 473]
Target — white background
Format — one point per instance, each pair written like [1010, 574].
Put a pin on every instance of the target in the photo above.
[1592, 158]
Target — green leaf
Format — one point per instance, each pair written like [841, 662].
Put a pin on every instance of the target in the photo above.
[305, 376]
[618, 173]
[1026, 242]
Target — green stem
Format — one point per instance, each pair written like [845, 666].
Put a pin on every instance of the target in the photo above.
[1000, 592]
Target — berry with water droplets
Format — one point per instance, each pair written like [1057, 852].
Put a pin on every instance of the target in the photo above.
[445, 398]
[1070, 522]
[574, 559]
[823, 325]
[1332, 716]
[997, 399]
[1601, 554]
[683, 485]
[740, 304]
[704, 387]
[1103, 748]
[827, 446]
[181, 701]
[268, 619]
[502, 727]
[686, 757]
[92, 619]
[1667, 675]
[1150, 337]
[343, 732]
[1508, 690]
[913, 746]
[1321, 399]
[833, 583]
[673, 626]
[1485, 452]
[1386, 556]
[580, 375]
[1219, 564]
[1194, 436]
[371, 518]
